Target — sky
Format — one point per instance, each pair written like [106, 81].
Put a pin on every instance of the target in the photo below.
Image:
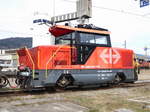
[124, 18]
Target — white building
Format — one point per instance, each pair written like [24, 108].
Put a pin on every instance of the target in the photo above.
[41, 35]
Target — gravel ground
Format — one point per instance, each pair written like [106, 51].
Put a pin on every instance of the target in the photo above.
[39, 103]
[46, 107]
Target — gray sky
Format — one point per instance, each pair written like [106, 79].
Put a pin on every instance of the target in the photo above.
[124, 18]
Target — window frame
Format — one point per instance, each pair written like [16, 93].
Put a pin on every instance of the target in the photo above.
[75, 39]
[94, 44]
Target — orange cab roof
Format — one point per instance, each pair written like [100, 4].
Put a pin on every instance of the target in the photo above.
[59, 30]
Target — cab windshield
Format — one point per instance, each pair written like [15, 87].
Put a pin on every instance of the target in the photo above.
[83, 38]
[65, 39]
[93, 38]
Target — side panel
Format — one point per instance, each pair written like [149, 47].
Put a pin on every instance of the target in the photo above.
[82, 77]
[114, 58]
[45, 57]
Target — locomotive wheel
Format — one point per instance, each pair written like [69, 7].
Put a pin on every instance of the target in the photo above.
[117, 79]
[25, 83]
[64, 81]
[3, 81]
[17, 81]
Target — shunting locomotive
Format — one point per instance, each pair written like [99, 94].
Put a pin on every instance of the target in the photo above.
[82, 55]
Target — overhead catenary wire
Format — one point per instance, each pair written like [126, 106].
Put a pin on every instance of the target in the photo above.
[121, 11]
[116, 10]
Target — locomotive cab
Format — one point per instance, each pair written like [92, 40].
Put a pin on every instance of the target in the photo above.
[83, 38]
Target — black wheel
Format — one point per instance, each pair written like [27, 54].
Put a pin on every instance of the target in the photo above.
[117, 79]
[28, 83]
[17, 81]
[3, 81]
[25, 83]
[64, 81]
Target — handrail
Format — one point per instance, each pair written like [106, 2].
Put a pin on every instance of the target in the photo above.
[46, 74]
[33, 65]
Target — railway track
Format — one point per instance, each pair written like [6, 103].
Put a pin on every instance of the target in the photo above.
[20, 92]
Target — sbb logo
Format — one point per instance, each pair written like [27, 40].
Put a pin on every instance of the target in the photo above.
[110, 56]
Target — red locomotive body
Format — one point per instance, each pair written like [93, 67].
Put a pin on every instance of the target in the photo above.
[81, 56]
[59, 57]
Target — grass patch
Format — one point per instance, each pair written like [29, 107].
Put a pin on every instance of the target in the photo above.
[103, 102]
